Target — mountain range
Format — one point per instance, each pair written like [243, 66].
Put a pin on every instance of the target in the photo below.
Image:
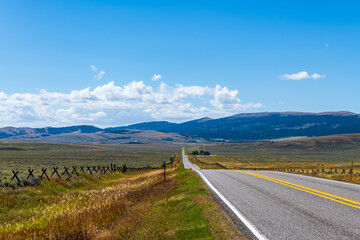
[236, 128]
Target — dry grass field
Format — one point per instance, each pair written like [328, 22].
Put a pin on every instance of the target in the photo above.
[23, 155]
[138, 205]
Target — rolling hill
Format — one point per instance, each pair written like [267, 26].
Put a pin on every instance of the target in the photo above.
[90, 135]
[261, 126]
[236, 128]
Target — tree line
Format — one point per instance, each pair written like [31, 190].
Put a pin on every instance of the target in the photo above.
[201, 152]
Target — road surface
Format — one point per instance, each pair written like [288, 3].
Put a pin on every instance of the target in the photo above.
[289, 206]
[187, 163]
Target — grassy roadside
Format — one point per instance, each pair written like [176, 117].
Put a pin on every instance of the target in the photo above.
[189, 212]
[116, 206]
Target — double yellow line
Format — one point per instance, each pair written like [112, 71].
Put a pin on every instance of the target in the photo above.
[329, 196]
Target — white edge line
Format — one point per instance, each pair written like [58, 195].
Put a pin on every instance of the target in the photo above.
[250, 226]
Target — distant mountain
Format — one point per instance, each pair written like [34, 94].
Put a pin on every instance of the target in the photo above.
[261, 126]
[90, 135]
[47, 131]
[157, 126]
[240, 127]
[162, 126]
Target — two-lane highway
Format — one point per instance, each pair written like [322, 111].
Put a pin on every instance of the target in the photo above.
[187, 163]
[289, 206]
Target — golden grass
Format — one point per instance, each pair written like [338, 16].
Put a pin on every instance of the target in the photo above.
[251, 163]
[138, 205]
[84, 214]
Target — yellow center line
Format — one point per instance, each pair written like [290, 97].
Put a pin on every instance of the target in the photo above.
[311, 189]
[302, 188]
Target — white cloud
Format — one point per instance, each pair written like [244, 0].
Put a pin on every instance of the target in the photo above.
[226, 99]
[295, 76]
[301, 75]
[98, 73]
[112, 105]
[93, 68]
[156, 77]
[317, 76]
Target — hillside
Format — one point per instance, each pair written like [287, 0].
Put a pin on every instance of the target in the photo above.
[91, 135]
[236, 128]
[262, 126]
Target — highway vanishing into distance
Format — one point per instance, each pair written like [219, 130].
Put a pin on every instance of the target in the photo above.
[275, 205]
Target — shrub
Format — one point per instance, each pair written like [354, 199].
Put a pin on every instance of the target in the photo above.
[32, 181]
[124, 168]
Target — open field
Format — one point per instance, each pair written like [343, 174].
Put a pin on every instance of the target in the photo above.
[116, 206]
[330, 153]
[23, 155]
[336, 151]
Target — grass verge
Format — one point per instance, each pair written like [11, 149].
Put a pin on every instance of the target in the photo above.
[116, 206]
[189, 212]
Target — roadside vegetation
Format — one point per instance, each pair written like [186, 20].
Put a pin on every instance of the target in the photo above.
[137, 205]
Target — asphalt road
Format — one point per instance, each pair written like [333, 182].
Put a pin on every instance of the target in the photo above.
[187, 163]
[290, 206]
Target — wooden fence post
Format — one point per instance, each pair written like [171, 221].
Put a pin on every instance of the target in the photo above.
[66, 172]
[88, 168]
[351, 168]
[15, 175]
[44, 174]
[74, 170]
[30, 173]
[55, 171]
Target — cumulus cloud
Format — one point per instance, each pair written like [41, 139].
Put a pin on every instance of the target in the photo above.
[226, 99]
[317, 76]
[156, 77]
[109, 104]
[98, 73]
[295, 76]
[301, 75]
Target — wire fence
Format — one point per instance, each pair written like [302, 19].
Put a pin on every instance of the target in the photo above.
[331, 170]
[210, 164]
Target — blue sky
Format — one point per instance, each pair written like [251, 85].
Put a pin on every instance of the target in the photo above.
[92, 62]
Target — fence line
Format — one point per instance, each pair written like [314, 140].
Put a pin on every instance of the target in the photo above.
[211, 164]
[339, 171]
[333, 170]
[68, 172]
